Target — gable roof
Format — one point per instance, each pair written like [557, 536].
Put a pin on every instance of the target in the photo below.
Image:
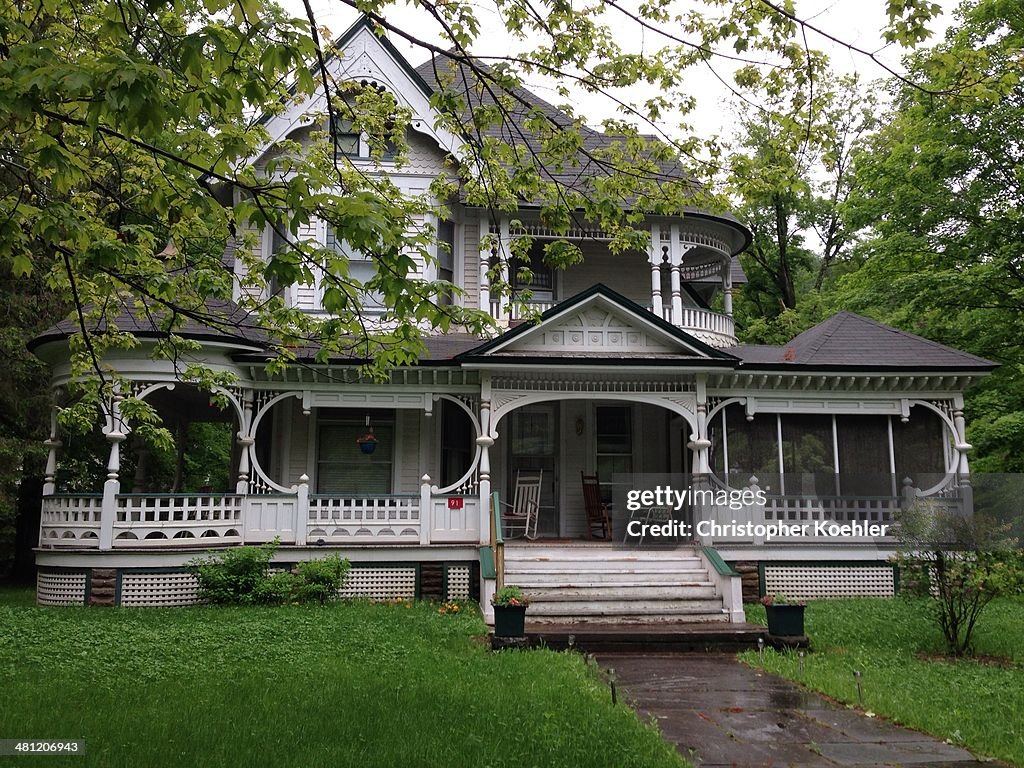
[561, 335]
[850, 341]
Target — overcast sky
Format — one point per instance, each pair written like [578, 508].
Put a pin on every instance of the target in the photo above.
[857, 22]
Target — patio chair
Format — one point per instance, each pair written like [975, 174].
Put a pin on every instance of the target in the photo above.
[519, 519]
[598, 517]
[648, 516]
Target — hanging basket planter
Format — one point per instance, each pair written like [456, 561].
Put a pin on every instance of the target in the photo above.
[367, 443]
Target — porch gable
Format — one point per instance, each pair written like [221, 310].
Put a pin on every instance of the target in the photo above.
[599, 323]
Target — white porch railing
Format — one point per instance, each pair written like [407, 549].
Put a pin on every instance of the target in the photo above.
[175, 520]
[159, 519]
[376, 519]
[785, 514]
[70, 521]
[721, 326]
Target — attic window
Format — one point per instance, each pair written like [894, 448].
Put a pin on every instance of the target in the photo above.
[352, 139]
[346, 137]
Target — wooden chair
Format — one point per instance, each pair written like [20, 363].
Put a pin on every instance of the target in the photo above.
[521, 516]
[598, 518]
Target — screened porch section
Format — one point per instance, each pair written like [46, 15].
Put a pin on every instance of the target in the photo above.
[839, 467]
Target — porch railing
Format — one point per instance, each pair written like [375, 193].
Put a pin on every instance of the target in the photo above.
[69, 520]
[690, 318]
[154, 519]
[338, 520]
[180, 519]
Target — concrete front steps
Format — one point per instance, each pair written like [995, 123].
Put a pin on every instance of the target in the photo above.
[594, 585]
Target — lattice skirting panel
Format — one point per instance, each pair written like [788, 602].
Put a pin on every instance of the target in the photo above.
[809, 582]
[458, 582]
[153, 590]
[60, 588]
[381, 583]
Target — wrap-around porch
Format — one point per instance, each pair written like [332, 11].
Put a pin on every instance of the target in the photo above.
[298, 472]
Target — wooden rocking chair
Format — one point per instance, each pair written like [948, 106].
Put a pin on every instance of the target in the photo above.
[521, 516]
[598, 518]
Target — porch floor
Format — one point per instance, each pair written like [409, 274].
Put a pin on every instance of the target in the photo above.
[664, 637]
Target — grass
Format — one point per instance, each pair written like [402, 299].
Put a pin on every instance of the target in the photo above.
[974, 703]
[350, 684]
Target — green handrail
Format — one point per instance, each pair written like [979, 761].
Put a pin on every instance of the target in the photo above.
[497, 541]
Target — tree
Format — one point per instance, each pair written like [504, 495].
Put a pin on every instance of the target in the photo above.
[791, 176]
[940, 188]
[26, 308]
[960, 563]
[130, 126]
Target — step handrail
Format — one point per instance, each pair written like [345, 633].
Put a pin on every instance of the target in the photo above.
[497, 541]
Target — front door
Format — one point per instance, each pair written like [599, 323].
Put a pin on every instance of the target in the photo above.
[534, 445]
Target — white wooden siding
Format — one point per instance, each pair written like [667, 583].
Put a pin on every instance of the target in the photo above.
[471, 262]
[407, 451]
[627, 273]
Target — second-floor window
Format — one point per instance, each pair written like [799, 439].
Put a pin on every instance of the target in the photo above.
[359, 267]
[354, 140]
[446, 255]
[542, 279]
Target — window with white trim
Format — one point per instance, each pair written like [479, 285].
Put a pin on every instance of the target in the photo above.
[342, 469]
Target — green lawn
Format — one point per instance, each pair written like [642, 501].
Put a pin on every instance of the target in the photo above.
[976, 704]
[343, 685]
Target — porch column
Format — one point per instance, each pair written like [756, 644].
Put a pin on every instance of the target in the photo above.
[115, 434]
[962, 448]
[485, 265]
[655, 257]
[700, 442]
[727, 287]
[245, 440]
[675, 259]
[53, 444]
[485, 441]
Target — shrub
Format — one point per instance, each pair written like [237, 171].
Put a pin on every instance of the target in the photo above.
[960, 562]
[236, 576]
[318, 581]
[240, 576]
[512, 595]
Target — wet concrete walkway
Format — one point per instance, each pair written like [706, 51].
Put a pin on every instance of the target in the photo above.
[719, 712]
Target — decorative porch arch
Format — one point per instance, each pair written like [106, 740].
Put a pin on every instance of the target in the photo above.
[678, 403]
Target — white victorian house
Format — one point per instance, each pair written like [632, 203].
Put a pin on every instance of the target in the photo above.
[627, 370]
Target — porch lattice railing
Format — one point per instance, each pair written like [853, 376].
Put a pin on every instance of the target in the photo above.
[70, 520]
[147, 519]
[344, 519]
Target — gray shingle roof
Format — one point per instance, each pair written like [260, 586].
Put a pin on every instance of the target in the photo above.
[847, 340]
[217, 319]
[588, 165]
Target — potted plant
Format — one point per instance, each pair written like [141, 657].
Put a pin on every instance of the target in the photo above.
[785, 618]
[509, 612]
